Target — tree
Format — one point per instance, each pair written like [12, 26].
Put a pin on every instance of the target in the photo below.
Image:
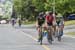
[29, 8]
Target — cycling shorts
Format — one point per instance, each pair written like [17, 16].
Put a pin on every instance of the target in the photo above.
[49, 24]
[40, 24]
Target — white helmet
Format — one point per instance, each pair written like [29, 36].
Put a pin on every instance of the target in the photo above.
[47, 12]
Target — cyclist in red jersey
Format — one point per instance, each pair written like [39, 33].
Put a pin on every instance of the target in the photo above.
[49, 19]
[49, 23]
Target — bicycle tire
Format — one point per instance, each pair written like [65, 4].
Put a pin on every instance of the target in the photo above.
[49, 36]
[59, 37]
[41, 36]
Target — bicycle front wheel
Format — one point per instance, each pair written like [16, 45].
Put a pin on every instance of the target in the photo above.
[50, 39]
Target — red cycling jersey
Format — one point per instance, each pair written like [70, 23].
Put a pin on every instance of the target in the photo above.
[49, 18]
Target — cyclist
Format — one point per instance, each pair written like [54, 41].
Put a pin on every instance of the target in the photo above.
[60, 23]
[40, 21]
[13, 21]
[49, 22]
[19, 22]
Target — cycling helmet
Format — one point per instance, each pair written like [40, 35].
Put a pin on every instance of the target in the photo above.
[59, 15]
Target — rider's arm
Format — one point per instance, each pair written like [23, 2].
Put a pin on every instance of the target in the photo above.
[46, 21]
[36, 24]
[54, 20]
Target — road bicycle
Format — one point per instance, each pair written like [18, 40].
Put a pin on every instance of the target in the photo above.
[48, 34]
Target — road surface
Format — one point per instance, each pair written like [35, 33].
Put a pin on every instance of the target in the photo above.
[25, 38]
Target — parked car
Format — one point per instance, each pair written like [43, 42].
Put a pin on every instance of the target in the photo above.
[71, 17]
[3, 22]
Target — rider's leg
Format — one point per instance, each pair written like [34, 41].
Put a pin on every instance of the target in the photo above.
[54, 30]
[39, 33]
[51, 33]
[13, 23]
[56, 33]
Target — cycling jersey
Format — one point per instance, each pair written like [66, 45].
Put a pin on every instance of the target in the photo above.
[49, 19]
[41, 20]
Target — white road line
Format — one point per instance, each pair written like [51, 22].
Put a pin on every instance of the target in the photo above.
[44, 46]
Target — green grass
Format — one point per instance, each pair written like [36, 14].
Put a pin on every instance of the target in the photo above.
[29, 22]
[71, 33]
[72, 22]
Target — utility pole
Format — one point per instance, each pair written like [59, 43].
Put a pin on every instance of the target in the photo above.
[54, 6]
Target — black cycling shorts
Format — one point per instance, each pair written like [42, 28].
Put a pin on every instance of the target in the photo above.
[40, 24]
[49, 24]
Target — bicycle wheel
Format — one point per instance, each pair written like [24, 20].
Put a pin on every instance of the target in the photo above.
[59, 36]
[50, 36]
[41, 36]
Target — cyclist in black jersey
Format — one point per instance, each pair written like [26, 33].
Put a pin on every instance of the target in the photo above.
[40, 22]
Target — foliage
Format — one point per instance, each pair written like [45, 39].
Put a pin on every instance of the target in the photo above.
[30, 8]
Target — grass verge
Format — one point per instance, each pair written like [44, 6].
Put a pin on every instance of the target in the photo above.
[29, 22]
[71, 33]
[72, 22]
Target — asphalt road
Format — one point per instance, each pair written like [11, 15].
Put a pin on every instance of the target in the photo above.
[25, 38]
